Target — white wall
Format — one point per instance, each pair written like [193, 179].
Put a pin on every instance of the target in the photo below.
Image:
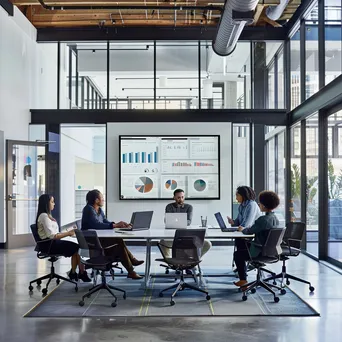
[28, 78]
[122, 210]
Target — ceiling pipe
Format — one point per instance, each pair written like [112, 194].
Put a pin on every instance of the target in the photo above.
[236, 14]
[275, 12]
[131, 7]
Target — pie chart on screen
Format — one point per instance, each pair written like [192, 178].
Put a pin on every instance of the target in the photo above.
[144, 184]
[200, 185]
[171, 184]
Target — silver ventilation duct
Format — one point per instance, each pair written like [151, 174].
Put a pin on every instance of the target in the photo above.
[275, 12]
[236, 14]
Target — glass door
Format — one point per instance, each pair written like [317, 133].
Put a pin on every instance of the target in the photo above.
[25, 183]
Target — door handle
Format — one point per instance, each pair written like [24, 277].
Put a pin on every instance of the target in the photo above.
[9, 198]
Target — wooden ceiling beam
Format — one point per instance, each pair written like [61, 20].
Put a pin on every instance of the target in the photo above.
[117, 16]
[82, 23]
[120, 2]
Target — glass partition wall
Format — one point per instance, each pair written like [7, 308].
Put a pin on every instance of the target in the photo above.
[169, 75]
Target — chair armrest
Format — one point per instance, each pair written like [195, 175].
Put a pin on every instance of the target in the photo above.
[45, 241]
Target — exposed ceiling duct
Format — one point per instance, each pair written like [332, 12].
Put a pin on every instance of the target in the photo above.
[275, 12]
[236, 14]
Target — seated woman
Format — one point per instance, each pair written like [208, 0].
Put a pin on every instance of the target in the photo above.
[268, 201]
[48, 229]
[93, 217]
[248, 212]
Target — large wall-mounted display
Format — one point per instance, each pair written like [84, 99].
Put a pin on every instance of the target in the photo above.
[152, 167]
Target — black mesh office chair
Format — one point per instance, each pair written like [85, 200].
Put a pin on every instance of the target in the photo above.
[98, 261]
[186, 251]
[43, 251]
[291, 248]
[270, 254]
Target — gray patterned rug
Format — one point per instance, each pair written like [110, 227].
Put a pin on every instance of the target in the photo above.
[225, 301]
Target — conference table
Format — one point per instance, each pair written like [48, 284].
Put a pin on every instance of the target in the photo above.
[157, 233]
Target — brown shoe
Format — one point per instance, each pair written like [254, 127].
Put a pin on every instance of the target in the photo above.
[240, 283]
[136, 262]
[134, 275]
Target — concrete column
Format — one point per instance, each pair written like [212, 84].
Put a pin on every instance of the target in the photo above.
[230, 94]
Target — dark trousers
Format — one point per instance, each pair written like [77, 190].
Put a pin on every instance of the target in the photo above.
[119, 252]
[241, 255]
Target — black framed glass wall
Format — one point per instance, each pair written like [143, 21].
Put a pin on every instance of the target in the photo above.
[131, 75]
[241, 160]
[311, 52]
[275, 168]
[335, 187]
[312, 180]
[333, 39]
[170, 75]
[83, 76]
[295, 184]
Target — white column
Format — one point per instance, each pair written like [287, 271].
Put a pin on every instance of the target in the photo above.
[230, 94]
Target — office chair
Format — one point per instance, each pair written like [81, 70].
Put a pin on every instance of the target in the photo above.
[186, 250]
[98, 261]
[270, 254]
[86, 254]
[43, 251]
[291, 248]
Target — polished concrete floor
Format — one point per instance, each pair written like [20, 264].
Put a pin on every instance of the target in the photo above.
[18, 267]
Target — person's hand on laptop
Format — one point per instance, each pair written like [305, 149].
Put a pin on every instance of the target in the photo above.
[240, 228]
[230, 221]
[121, 225]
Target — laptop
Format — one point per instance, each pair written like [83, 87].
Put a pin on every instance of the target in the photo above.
[222, 225]
[141, 220]
[176, 220]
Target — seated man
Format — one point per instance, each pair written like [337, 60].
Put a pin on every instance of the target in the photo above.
[268, 201]
[178, 206]
[93, 217]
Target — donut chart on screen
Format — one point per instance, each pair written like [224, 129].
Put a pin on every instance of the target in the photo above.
[200, 185]
[171, 184]
[144, 184]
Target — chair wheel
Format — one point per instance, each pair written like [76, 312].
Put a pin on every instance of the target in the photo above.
[283, 291]
[44, 291]
[172, 302]
[124, 296]
[161, 294]
[30, 288]
[81, 303]
[76, 289]
[276, 299]
[253, 290]
[58, 281]
[167, 271]
[244, 298]
[39, 282]
[312, 289]
[207, 297]
[114, 304]
[288, 282]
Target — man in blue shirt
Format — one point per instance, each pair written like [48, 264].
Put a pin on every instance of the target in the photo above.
[93, 217]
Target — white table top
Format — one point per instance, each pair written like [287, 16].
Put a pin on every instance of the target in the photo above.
[162, 233]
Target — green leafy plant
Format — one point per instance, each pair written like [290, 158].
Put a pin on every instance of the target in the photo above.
[295, 181]
[334, 182]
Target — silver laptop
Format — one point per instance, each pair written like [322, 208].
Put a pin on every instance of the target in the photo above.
[176, 220]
